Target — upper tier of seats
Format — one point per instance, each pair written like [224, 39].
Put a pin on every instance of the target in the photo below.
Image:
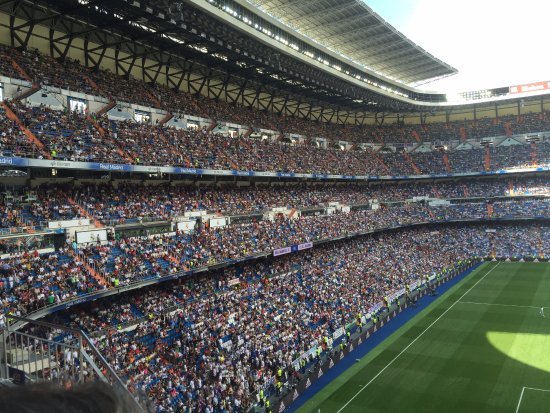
[77, 137]
[46, 71]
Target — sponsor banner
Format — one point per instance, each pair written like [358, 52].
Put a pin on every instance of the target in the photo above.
[376, 307]
[188, 171]
[108, 167]
[530, 87]
[69, 223]
[292, 248]
[397, 294]
[5, 160]
[243, 173]
[268, 174]
[282, 251]
[338, 333]
[153, 169]
[233, 281]
[216, 172]
[193, 214]
[99, 166]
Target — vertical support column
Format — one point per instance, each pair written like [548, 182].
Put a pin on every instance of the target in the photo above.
[80, 360]
[487, 159]
[5, 341]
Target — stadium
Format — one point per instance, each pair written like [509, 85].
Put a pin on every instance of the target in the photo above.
[264, 206]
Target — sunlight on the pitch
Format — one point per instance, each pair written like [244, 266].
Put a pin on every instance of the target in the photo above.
[529, 349]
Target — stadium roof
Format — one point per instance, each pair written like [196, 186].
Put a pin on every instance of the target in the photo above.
[353, 30]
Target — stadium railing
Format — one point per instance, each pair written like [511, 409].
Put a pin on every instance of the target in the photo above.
[49, 352]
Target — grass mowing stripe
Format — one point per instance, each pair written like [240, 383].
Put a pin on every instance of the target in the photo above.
[416, 339]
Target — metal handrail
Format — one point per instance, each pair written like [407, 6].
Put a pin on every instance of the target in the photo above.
[88, 350]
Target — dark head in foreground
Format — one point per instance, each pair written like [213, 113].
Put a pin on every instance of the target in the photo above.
[46, 398]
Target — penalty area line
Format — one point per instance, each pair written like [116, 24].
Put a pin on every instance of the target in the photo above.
[523, 391]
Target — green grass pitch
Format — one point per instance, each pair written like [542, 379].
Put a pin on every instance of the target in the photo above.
[481, 347]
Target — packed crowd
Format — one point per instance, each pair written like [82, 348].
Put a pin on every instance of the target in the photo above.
[520, 155]
[537, 208]
[70, 75]
[125, 203]
[131, 259]
[13, 142]
[36, 207]
[7, 67]
[211, 343]
[76, 136]
[29, 280]
[515, 242]
[69, 136]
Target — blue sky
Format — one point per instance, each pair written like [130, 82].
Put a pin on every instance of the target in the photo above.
[491, 42]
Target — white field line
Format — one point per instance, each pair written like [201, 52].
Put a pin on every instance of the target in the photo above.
[415, 340]
[520, 398]
[523, 390]
[534, 388]
[501, 305]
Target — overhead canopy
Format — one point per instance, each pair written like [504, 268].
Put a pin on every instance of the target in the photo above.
[352, 29]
